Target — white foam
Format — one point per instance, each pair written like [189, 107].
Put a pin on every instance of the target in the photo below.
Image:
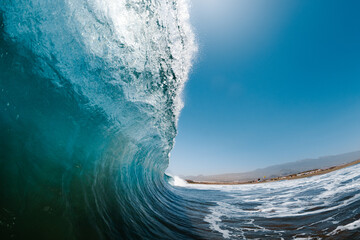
[350, 226]
[178, 182]
[214, 219]
[286, 198]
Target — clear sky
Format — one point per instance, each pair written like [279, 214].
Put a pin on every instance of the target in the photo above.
[274, 81]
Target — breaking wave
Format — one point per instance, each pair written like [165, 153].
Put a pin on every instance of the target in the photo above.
[90, 96]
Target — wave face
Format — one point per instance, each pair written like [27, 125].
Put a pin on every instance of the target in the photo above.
[90, 96]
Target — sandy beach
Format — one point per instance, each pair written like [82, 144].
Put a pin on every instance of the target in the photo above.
[304, 174]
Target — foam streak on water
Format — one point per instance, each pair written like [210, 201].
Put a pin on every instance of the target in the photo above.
[314, 207]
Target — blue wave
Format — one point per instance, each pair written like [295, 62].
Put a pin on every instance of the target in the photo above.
[90, 96]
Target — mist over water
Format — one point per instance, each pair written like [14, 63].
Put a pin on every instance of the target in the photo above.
[90, 94]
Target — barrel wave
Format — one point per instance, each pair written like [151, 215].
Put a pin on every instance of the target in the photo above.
[90, 95]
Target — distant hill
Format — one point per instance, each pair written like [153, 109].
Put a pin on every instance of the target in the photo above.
[282, 169]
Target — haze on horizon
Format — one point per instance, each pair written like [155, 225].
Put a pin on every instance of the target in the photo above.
[274, 82]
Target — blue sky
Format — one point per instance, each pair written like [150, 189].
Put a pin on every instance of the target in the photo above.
[274, 81]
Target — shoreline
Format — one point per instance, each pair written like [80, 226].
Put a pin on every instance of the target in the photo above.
[294, 176]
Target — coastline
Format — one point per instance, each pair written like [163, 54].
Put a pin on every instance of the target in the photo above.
[299, 175]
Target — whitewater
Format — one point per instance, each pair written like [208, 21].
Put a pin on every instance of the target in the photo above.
[318, 207]
[90, 95]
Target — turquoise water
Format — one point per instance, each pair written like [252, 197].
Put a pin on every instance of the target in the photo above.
[90, 94]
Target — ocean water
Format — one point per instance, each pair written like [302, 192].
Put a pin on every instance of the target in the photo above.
[90, 94]
[320, 207]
